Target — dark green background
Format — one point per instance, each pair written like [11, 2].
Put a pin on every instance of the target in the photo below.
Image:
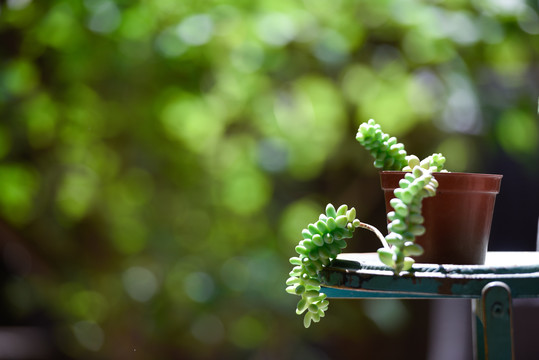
[158, 160]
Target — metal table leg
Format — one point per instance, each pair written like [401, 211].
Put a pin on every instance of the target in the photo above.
[493, 323]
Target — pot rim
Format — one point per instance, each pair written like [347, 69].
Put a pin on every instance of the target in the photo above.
[449, 181]
[443, 173]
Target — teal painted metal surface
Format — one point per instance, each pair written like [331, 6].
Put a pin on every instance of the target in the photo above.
[491, 288]
[496, 316]
[365, 278]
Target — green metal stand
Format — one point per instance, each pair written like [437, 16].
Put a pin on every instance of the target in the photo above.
[490, 287]
[494, 322]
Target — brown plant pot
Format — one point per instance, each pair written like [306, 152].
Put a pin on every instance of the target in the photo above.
[457, 219]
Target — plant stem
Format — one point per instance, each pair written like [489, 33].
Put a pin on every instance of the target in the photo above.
[376, 231]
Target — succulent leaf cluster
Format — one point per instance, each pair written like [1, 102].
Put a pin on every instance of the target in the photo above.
[322, 242]
[324, 239]
[406, 219]
[433, 163]
[388, 153]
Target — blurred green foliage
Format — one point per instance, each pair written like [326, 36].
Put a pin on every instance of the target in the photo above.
[158, 159]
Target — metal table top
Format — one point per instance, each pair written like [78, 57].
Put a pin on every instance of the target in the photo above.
[362, 275]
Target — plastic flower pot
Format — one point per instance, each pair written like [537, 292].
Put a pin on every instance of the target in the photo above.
[457, 219]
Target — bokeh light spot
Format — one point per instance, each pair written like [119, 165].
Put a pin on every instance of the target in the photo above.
[137, 22]
[509, 58]
[462, 112]
[41, 118]
[77, 192]
[199, 286]
[331, 47]
[501, 7]
[19, 185]
[190, 120]
[89, 335]
[196, 30]
[140, 283]
[295, 216]
[389, 105]
[105, 17]
[169, 44]
[18, 4]
[358, 83]
[458, 152]
[20, 77]
[518, 132]
[276, 29]
[248, 57]
[491, 30]
[273, 154]
[529, 21]
[246, 192]
[425, 93]
[461, 27]
[310, 118]
[88, 304]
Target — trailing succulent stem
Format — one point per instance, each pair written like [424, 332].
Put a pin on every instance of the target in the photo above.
[387, 152]
[432, 163]
[406, 219]
[322, 242]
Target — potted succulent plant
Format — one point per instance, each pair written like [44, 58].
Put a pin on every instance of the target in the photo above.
[451, 227]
